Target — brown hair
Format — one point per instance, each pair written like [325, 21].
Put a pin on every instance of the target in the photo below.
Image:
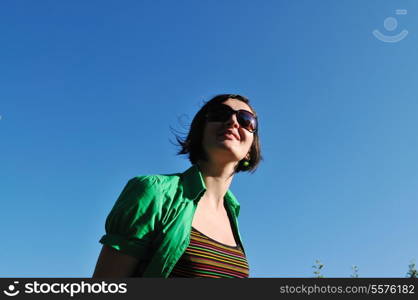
[192, 144]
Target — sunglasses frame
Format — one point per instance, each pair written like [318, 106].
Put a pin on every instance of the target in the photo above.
[234, 112]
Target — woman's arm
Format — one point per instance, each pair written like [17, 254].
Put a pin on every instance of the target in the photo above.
[113, 264]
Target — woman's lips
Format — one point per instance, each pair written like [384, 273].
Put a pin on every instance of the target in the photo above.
[229, 135]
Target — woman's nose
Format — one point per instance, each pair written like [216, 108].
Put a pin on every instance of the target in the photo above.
[232, 121]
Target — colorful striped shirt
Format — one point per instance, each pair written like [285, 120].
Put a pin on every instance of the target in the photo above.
[205, 257]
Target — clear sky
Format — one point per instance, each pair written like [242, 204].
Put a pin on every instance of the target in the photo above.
[90, 89]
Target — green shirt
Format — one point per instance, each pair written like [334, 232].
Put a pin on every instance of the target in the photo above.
[152, 218]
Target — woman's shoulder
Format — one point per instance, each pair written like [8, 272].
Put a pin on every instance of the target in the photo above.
[156, 181]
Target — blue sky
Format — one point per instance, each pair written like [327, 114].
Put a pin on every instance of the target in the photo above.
[90, 89]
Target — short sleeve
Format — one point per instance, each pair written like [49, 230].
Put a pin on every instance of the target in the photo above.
[133, 218]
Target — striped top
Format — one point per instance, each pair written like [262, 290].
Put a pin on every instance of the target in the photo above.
[205, 257]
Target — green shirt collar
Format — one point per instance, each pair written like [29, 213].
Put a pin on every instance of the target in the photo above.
[194, 185]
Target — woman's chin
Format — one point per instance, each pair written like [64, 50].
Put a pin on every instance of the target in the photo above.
[225, 153]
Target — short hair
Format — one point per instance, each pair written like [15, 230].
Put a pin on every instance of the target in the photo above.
[192, 143]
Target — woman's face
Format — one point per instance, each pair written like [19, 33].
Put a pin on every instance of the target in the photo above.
[228, 141]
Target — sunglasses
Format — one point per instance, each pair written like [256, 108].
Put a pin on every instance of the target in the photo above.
[223, 112]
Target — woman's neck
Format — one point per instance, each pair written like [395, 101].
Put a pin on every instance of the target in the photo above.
[217, 180]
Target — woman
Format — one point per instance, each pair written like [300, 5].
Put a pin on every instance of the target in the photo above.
[185, 224]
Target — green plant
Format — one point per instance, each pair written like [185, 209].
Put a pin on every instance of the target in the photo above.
[355, 272]
[318, 267]
[412, 272]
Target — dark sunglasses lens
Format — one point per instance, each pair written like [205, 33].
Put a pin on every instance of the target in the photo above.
[219, 113]
[247, 120]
